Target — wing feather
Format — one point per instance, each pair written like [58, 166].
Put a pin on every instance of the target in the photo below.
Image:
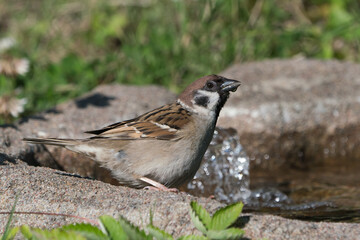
[164, 123]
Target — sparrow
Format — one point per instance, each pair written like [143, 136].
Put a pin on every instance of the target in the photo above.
[161, 149]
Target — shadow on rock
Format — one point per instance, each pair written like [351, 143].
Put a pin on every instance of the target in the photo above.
[35, 117]
[73, 175]
[96, 99]
[9, 126]
[54, 111]
[4, 159]
[242, 221]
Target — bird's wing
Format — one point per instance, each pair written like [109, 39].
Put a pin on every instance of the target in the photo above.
[164, 123]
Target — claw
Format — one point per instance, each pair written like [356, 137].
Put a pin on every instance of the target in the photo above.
[157, 186]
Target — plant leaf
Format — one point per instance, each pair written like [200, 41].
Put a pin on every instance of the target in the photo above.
[56, 233]
[159, 234]
[226, 216]
[132, 231]
[89, 231]
[193, 237]
[230, 233]
[26, 232]
[11, 234]
[113, 228]
[200, 217]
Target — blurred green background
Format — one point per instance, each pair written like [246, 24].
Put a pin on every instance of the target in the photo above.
[73, 46]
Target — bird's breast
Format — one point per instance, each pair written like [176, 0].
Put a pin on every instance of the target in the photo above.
[171, 162]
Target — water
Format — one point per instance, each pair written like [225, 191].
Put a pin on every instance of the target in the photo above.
[323, 193]
[225, 169]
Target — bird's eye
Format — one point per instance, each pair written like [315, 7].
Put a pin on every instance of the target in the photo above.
[210, 85]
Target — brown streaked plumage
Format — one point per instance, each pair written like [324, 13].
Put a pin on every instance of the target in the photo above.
[164, 146]
[162, 123]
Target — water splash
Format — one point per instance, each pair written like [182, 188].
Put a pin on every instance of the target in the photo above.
[224, 172]
[267, 197]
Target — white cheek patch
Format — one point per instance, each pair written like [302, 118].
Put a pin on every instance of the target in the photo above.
[213, 99]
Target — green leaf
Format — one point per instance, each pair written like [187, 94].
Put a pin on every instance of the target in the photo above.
[56, 233]
[230, 233]
[193, 237]
[132, 231]
[158, 233]
[113, 228]
[200, 217]
[89, 231]
[26, 232]
[11, 234]
[226, 216]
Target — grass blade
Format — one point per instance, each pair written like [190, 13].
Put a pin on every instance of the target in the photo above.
[7, 227]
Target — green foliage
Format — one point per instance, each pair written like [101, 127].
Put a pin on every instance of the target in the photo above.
[73, 48]
[10, 233]
[226, 216]
[57, 233]
[26, 232]
[215, 227]
[193, 237]
[231, 233]
[89, 231]
[132, 232]
[159, 234]
[200, 217]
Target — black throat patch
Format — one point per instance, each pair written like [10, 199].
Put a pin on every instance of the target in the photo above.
[201, 100]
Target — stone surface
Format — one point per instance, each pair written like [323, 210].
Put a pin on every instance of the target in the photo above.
[41, 189]
[296, 112]
[104, 105]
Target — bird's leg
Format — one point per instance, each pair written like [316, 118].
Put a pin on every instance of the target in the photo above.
[157, 186]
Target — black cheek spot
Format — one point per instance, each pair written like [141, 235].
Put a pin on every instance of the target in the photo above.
[202, 101]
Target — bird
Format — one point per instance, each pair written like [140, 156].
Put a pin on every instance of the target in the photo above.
[163, 148]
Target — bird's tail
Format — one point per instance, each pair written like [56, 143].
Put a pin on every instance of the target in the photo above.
[52, 141]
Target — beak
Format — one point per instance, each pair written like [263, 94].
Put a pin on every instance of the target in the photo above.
[230, 85]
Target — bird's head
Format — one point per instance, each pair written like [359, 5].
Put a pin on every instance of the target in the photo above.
[208, 94]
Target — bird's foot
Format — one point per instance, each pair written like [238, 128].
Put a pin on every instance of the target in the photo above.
[157, 186]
